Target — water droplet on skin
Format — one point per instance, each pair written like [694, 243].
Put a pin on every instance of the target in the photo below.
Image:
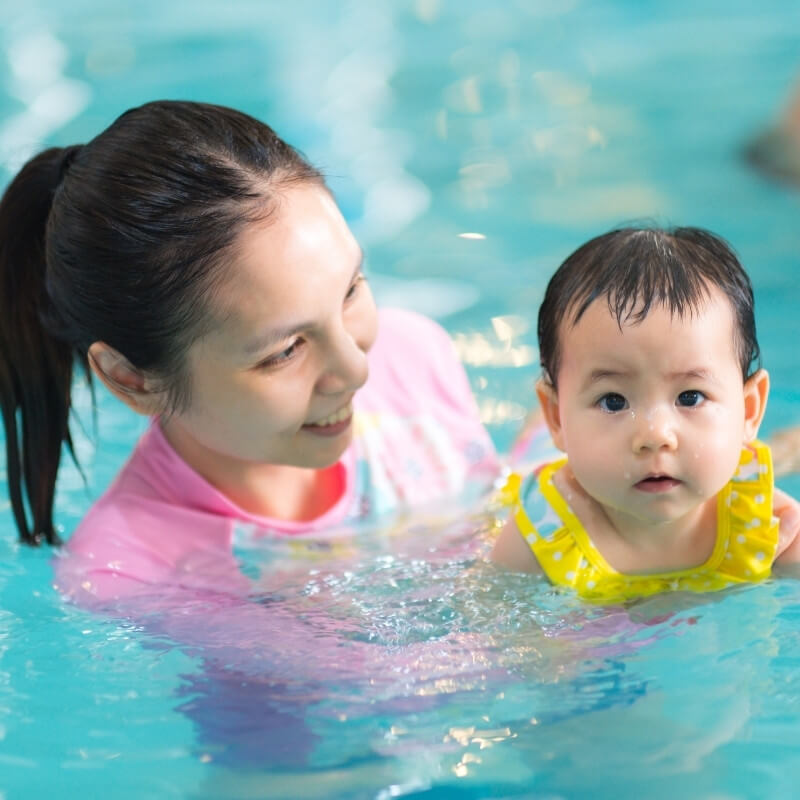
[633, 414]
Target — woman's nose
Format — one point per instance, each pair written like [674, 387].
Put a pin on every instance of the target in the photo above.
[654, 430]
[346, 364]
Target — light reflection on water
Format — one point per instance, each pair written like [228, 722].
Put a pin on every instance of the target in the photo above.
[402, 659]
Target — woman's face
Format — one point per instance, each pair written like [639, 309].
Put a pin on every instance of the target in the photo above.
[274, 381]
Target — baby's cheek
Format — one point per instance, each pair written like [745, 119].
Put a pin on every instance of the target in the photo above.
[595, 469]
[715, 460]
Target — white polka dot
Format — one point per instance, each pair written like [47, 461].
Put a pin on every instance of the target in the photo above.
[748, 573]
[584, 563]
[760, 556]
[531, 537]
[728, 500]
[754, 523]
[741, 538]
[570, 576]
[590, 584]
[728, 555]
[759, 498]
[557, 555]
[734, 495]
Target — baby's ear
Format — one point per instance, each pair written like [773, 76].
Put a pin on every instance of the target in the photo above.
[548, 400]
[756, 391]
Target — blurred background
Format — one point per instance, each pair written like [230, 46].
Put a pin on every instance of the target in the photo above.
[472, 145]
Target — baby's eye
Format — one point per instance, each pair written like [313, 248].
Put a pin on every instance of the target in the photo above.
[691, 398]
[612, 402]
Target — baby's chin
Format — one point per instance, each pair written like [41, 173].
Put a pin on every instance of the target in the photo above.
[658, 518]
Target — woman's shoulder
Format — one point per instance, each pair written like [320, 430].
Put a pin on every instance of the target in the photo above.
[140, 531]
[126, 543]
[401, 329]
[414, 359]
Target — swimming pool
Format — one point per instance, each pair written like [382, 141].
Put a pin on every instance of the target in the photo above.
[414, 668]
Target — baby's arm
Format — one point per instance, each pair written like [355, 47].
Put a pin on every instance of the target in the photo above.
[512, 551]
[787, 509]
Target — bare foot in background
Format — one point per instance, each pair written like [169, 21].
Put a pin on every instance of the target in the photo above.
[776, 151]
[785, 446]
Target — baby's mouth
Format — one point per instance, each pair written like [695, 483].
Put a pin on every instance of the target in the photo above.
[654, 484]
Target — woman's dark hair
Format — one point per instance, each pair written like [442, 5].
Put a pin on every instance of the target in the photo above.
[122, 240]
[636, 268]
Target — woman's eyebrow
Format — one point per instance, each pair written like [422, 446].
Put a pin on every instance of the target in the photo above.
[274, 336]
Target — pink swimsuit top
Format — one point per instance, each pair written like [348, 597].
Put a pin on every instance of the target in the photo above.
[417, 439]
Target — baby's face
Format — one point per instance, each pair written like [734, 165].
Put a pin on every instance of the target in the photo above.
[652, 415]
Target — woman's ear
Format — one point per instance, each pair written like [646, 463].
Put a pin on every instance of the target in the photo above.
[548, 400]
[124, 381]
[756, 391]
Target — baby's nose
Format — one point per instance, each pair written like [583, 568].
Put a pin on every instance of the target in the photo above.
[655, 430]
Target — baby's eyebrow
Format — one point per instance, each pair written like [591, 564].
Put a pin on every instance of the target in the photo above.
[696, 373]
[601, 374]
[699, 373]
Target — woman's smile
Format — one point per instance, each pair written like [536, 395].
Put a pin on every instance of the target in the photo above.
[333, 424]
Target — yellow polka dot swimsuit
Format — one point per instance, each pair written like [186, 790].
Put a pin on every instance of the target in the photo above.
[745, 547]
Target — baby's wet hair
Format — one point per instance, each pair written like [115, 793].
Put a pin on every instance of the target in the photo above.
[634, 269]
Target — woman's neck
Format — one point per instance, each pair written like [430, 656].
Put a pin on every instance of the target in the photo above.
[292, 494]
[279, 491]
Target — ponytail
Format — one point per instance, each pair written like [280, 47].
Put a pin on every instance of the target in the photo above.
[35, 366]
[124, 241]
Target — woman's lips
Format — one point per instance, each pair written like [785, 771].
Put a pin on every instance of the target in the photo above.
[332, 425]
[656, 484]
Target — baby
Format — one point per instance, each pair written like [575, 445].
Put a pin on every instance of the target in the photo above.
[652, 387]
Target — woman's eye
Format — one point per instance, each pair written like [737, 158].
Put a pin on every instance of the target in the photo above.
[282, 357]
[691, 398]
[351, 292]
[612, 402]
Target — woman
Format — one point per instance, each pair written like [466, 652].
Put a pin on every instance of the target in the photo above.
[199, 268]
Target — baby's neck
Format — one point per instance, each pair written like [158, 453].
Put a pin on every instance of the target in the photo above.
[633, 546]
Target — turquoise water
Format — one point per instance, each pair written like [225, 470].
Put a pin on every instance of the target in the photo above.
[535, 124]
